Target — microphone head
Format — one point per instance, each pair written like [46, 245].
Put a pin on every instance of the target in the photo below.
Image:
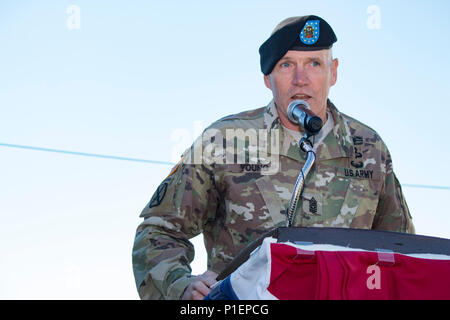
[314, 125]
[300, 113]
[292, 106]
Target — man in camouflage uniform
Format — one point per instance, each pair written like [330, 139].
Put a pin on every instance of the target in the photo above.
[352, 184]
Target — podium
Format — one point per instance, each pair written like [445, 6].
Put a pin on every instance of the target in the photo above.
[337, 264]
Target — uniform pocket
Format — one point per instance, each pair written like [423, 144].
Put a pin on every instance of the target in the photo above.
[245, 207]
[322, 198]
[272, 199]
[360, 201]
[339, 197]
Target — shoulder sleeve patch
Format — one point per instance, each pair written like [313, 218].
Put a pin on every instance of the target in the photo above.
[175, 168]
[158, 196]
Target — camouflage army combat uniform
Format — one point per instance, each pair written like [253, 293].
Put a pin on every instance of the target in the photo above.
[352, 185]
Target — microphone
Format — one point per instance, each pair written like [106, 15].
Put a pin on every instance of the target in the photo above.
[299, 113]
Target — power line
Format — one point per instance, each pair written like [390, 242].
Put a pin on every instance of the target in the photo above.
[103, 156]
[424, 186]
[84, 154]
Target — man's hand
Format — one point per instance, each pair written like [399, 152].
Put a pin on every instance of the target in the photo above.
[200, 287]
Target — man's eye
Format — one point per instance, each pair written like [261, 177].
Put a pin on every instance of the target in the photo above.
[285, 65]
[315, 63]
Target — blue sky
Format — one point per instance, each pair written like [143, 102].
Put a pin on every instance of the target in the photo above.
[136, 75]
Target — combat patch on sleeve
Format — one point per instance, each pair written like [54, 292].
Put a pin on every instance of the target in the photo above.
[158, 196]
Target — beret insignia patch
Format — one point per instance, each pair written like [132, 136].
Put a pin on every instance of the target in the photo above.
[310, 33]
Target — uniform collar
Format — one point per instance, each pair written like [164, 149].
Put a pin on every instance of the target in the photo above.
[271, 118]
[337, 144]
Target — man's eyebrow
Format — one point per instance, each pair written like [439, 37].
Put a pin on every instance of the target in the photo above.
[286, 58]
[315, 58]
[308, 58]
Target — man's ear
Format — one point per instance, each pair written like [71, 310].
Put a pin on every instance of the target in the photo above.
[334, 68]
[267, 81]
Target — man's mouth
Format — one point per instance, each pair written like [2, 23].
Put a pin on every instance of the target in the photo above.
[300, 97]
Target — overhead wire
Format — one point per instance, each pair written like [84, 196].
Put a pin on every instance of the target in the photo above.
[112, 157]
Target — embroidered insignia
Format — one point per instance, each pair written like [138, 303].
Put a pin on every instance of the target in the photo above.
[357, 142]
[159, 195]
[310, 33]
[313, 205]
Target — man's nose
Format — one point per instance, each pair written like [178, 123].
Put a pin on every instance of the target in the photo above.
[300, 77]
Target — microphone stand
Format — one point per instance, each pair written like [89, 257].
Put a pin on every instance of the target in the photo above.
[306, 146]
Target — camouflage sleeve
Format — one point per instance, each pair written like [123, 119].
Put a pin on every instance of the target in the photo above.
[178, 210]
[392, 212]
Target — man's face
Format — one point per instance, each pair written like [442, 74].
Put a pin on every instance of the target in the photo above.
[302, 75]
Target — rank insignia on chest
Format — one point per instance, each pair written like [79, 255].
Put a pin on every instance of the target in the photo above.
[313, 205]
[310, 33]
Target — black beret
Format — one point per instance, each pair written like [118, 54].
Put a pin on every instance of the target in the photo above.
[307, 33]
